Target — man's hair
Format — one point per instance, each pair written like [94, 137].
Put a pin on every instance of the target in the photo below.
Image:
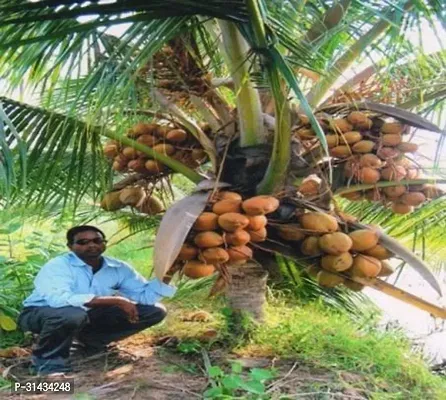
[71, 233]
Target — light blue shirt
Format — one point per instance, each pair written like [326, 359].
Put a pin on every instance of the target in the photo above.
[68, 281]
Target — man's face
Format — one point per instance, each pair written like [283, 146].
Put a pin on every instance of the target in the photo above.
[88, 244]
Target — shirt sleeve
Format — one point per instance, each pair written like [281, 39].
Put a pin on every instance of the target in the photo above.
[54, 284]
[137, 288]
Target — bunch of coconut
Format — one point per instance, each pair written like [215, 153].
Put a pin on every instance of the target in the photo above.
[222, 233]
[166, 138]
[320, 238]
[135, 197]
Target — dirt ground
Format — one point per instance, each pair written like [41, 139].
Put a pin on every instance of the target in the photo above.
[143, 367]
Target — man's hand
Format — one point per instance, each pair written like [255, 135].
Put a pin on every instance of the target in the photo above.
[129, 308]
[126, 305]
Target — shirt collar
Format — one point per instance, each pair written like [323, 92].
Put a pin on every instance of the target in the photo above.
[108, 262]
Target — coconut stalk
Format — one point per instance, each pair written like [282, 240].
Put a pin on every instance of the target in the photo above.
[345, 61]
[250, 115]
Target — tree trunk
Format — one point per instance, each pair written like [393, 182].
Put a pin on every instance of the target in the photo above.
[246, 291]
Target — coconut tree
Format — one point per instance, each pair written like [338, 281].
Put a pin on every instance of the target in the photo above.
[250, 85]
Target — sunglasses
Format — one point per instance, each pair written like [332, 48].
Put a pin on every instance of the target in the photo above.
[84, 242]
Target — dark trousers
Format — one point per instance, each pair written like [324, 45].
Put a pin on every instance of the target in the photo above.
[57, 327]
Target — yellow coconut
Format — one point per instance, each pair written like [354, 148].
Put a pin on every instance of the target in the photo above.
[112, 202]
[368, 175]
[350, 137]
[309, 187]
[206, 221]
[310, 246]
[329, 280]
[154, 167]
[387, 153]
[412, 173]
[129, 153]
[214, 255]
[198, 269]
[111, 149]
[226, 195]
[339, 262]
[335, 243]
[363, 239]
[227, 206]
[260, 205]
[208, 239]
[357, 117]
[256, 222]
[119, 166]
[400, 208]
[258, 236]
[319, 222]
[239, 237]
[394, 191]
[340, 125]
[137, 165]
[332, 140]
[407, 147]
[239, 254]
[341, 151]
[370, 161]
[413, 198]
[142, 128]
[386, 269]
[393, 173]
[291, 232]
[379, 252]
[164, 148]
[162, 130]
[187, 252]
[230, 222]
[352, 285]
[176, 135]
[147, 140]
[150, 206]
[391, 140]
[392, 128]
[363, 146]
[131, 195]
[365, 266]
[305, 133]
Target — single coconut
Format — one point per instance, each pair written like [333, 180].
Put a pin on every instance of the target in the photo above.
[391, 140]
[329, 280]
[432, 192]
[412, 174]
[164, 148]
[339, 262]
[363, 239]
[258, 236]
[154, 167]
[208, 239]
[357, 117]
[227, 206]
[147, 140]
[142, 128]
[365, 266]
[340, 125]
[351, 137]
[386, 269]
[400, 208]
[352, 285]
[393, 173]
[214, 255]
[225, 195]
[176, 135]
[198, 269]
[366, 125]
[394, 191]
[387, 153]
[137, 165]
[340, 151]
[231, 221]
[129, 153]
[310, 246]
[291, 232]
[309, 187]
[256, 222]
[368, 175]
[305, 133]
[335, 243]
[392, 128]
[111, 149]
[407, 147]
[413, 198]
[239, 237]
[239, 254]
[363, 146]
[111, 201]
[162, 130]
[206, 221]
[303, 119]
[260, 205]
[319, 222]
[151, 206]
[131, 195]
[379, 252]
[370, 161]
[187, 252]
[119, 166]
[332, 140]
